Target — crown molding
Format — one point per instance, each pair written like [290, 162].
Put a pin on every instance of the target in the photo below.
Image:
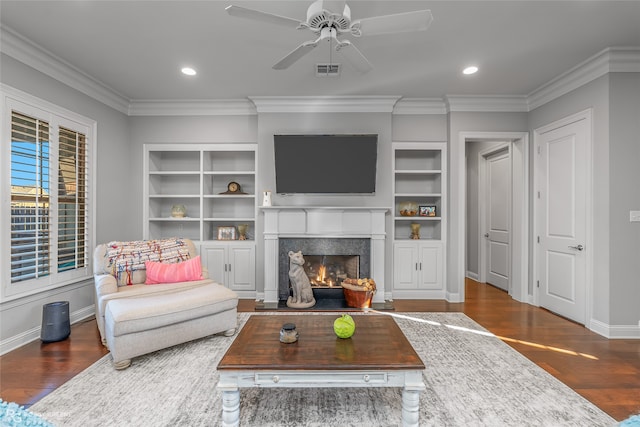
[27, 52]
[609, 60]
[324, 104]
[487, 103]
[192, 107]
[420, 106]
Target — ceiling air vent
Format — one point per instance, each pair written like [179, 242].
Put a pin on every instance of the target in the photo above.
[328, 70]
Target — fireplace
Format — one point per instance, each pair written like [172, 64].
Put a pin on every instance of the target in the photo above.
[359, 226]
[334, 259]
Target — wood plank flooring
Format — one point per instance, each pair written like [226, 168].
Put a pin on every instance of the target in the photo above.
[606, 372]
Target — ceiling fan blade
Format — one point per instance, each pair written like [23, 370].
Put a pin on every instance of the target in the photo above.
[295, 55]
[354, 57]
[257, 15]
[418, 20]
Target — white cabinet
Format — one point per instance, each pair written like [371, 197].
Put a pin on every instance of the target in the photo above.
[232, 265]
[418, 270]
[419, 181]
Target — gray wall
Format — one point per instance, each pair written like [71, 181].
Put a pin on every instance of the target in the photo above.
[20, 319]
[624, 161]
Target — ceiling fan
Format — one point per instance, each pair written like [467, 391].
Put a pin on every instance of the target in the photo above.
[328, 25]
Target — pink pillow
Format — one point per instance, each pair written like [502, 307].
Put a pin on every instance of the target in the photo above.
[184, 271]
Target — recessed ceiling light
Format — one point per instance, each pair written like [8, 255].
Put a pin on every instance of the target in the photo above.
[188, 71]
[470, 70]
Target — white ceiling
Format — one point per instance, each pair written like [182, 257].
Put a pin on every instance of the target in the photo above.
[137, 48]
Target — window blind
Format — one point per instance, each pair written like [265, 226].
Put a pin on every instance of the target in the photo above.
[30, 239]
[72, 197]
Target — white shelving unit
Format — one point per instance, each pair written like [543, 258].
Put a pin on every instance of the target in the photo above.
[197, 176]
[419, 174]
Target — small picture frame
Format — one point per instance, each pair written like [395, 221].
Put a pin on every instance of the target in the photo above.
[428, 210]
[227, 233]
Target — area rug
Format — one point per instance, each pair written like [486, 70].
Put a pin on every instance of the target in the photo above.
[472, 379]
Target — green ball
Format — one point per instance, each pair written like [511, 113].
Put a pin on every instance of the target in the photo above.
[344, 326]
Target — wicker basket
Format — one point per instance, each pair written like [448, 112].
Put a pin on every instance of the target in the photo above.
[358, 299]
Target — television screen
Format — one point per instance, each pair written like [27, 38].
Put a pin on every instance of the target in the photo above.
[329, 164]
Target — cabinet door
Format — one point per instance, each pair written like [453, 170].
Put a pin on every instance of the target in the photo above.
[430, 267]
[405, 272]
[215, 259]
[242, 274]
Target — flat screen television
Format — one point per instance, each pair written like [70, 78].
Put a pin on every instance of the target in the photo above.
[325, 164]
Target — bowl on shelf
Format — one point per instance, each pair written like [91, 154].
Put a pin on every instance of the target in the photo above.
[408, 209]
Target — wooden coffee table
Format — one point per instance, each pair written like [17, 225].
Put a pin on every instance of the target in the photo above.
[377, 355]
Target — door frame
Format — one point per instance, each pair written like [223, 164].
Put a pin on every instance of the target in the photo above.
[482, 206]
[520, 215]
[537, 134]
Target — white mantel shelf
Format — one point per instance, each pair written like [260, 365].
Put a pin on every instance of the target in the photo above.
[323, 222]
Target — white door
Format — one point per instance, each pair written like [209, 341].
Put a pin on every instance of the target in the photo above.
[561, 219]
[498, 218]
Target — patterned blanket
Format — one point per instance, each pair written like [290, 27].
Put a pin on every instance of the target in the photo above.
[126, 257]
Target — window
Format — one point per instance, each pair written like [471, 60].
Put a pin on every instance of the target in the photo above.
[49, 228]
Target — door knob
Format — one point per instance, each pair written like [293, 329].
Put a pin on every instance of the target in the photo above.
[578, 248]
[486, 235]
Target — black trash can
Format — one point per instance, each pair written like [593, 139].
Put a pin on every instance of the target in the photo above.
[55, 322]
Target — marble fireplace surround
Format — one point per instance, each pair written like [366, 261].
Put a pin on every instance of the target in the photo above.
[301, 222]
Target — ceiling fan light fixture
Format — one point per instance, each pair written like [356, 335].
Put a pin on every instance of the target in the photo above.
[472, 69]
[188, 71]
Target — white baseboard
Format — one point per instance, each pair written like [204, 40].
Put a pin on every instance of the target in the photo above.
[615, 331]
[33, 334]
[453, 297]
[472, 275]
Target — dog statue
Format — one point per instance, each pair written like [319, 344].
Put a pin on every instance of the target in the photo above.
[302, 294]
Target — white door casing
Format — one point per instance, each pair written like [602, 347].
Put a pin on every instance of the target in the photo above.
[562, 162]
[495, 216]
[520, 215]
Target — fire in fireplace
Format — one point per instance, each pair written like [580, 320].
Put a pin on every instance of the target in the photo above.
[331, 270]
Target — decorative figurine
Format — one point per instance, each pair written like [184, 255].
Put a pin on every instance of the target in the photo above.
[302, 293]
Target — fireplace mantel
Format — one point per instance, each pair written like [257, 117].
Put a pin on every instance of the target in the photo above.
[325, 222]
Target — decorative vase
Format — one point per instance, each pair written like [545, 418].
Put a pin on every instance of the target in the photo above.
[415, 231]
[178, 211]
[242, 231]
[408, 208]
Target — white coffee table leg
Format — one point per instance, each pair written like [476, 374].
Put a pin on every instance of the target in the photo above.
[410, 407]
[231, 408]
[413, 386]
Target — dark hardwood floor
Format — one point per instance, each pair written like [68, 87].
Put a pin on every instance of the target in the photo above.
[606, 372]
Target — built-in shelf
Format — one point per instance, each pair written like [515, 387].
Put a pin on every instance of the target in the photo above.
[197, 176]
[419, 176]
